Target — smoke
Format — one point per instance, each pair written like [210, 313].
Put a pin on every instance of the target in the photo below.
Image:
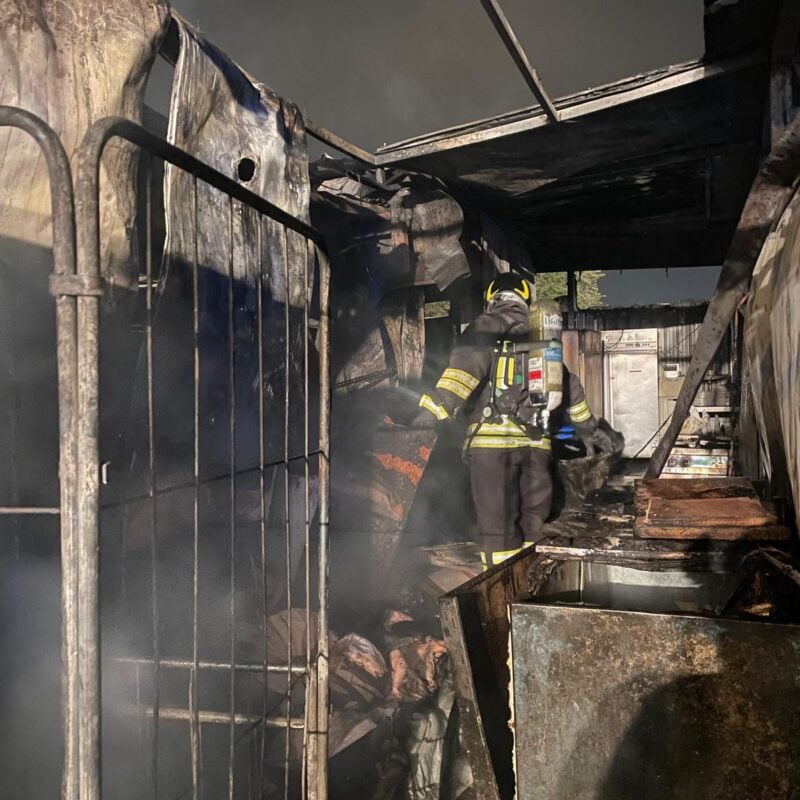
[378, 72]
[30, 699]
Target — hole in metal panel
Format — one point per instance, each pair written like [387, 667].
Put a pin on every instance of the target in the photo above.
[246, 169]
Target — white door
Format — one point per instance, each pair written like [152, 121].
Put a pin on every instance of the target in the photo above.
[632, 400]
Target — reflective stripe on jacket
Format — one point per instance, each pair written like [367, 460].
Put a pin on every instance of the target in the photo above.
[502, 436]
[467, 383]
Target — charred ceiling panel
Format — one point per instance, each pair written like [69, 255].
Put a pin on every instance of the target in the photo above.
[738, 26]
[651, 171]
[244, 130]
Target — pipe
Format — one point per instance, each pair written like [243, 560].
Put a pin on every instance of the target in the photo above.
[64, 265]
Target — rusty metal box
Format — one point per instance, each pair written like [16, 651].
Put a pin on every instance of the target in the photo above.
[624, 705]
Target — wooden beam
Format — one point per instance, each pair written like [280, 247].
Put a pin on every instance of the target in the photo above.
[503, 27]
[770, 194]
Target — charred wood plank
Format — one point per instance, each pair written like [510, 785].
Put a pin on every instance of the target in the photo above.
[688, 488]
[731, 533]
[650, 555]
[715, 512]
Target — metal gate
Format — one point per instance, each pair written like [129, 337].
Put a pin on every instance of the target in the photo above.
[194, 587]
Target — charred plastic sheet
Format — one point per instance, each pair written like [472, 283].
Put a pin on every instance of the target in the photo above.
[652, 705]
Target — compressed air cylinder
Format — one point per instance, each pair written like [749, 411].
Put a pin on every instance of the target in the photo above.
[546, 358]
[545, 320]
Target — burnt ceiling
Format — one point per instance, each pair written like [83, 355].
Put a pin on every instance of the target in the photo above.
[651, 171]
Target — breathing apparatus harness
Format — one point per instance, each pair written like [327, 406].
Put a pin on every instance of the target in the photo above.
[526, 375]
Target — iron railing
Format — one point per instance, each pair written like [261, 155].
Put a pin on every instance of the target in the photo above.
[87, 531]
[65, 285]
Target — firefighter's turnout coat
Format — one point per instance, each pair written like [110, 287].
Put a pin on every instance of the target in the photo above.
[467, 382]
[509, 470]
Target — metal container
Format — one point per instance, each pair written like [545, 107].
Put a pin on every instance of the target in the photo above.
[618, 703]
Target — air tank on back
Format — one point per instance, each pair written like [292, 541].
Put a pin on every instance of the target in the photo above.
[545, 363]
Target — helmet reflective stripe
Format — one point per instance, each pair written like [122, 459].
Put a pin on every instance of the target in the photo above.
[508, 283]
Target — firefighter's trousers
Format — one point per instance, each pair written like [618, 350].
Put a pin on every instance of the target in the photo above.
[512, 490]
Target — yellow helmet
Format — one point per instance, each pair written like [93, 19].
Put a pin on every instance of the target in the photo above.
[508, 282]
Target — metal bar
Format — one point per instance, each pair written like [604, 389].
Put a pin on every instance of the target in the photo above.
[87, 207]
[194, 730]
[151, 465]
[307, 507]
[64, 263]
[223, 718]
[111, 127]
[25, 510]
[203, 482]
[319, 791]
[262, 485]
[503, 27]
[232, 433]
[769, 196]
[309, 743]
[342, 145]
[140, 716]
[222, 666]
[286, 507]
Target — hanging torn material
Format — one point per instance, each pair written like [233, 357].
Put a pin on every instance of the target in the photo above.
[244, 130]
[92, 58]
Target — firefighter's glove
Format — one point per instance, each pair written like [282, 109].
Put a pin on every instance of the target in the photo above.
[603, 441]
[424, 419]
[596, 437]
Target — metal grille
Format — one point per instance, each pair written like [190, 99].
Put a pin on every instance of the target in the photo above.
[202, 560]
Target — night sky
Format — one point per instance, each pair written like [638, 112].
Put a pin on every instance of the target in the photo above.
[376, 71]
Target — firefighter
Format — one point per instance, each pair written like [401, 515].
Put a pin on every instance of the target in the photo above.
[508, 452]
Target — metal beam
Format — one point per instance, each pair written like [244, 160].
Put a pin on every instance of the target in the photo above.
[503, 27]
[342, 145]
[574, 107]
